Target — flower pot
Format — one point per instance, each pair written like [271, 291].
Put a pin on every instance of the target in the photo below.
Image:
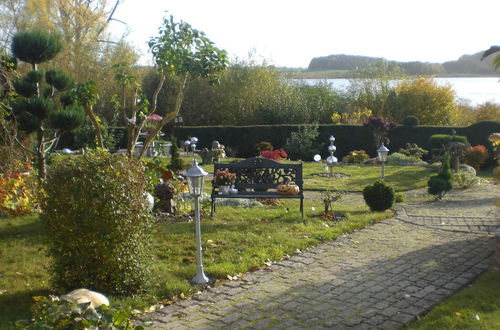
[224, 189]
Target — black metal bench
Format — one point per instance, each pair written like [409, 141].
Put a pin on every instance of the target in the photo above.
[255, 176]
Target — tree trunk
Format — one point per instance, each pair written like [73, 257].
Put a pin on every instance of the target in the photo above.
[95, 122]
[40, 155]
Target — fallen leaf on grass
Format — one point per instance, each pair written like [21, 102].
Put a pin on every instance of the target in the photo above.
[188, 261]
[458, 314]
[254, 268]
[2, 291]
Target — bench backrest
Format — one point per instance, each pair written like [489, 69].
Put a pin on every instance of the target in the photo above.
[262, 173]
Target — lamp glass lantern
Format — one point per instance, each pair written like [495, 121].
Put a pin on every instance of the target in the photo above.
[382, 157]
[382, 153]
[195, 176]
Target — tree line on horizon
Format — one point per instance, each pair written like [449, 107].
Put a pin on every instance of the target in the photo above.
[465, 65]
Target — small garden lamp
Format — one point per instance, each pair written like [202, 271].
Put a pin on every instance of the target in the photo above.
[382, 157]
[195, 176]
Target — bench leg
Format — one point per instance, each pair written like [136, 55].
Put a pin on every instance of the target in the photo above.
[302, 206]
[212, 211]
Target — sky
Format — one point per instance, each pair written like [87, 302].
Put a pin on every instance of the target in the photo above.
[289, 33]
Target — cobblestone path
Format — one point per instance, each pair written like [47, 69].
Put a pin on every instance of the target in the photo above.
[380, 277]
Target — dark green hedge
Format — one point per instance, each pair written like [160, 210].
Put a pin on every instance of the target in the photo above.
[348, 137]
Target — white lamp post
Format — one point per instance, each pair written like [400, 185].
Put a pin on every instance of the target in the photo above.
[195, 176]
[382, 157]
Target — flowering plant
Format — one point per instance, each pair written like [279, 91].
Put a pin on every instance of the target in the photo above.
[224, 178]
[274, 154]
[476, 156]
[152, 120]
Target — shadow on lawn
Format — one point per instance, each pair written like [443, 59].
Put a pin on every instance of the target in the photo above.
[33, 231]
[14, 307]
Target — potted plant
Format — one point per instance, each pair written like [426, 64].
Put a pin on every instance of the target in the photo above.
[224, 179]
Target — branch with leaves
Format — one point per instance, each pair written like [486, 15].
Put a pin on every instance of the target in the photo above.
[179, 51]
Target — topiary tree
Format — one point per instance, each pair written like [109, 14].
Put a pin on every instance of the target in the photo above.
[35, 110]
[96, 216]
[379, 196]
[439, 184]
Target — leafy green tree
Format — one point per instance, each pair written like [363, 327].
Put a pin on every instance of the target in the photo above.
[180, 52]
[423, 98]
[42, 111]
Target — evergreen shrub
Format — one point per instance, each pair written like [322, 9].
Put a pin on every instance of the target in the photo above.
[302, 144]
[95, 213]
[356, 157]
[379, 196]
[176, 162]
[440, 183]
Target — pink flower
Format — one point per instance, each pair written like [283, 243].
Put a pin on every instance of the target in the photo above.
[155, 117]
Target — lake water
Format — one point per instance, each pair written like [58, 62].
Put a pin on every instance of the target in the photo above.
[476, 90]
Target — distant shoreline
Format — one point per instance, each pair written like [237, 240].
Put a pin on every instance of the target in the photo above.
[348, 75]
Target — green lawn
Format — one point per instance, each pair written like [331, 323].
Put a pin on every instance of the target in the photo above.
[402, 178]
[235, 240]
[474, 307]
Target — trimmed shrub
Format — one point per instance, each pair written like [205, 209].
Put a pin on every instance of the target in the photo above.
[476, 156]
[464, 179]
[399, 197]
[410, 121]
[356, 157]
[439, 141]
[379, 196]
[413, 150]
[439, 184]
[397, 158]
[95, 214]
